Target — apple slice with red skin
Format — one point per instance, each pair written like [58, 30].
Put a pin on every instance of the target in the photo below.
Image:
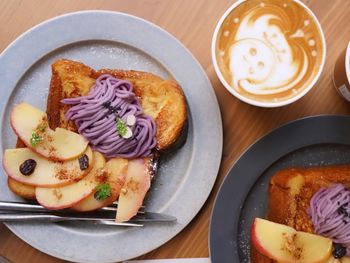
[115, 170]
[58, 145]
[286, 245]
[68, 196]
[137, 183]
[47, 173]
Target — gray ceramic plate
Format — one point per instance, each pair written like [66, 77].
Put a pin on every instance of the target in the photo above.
[104, 39]
[313, 141]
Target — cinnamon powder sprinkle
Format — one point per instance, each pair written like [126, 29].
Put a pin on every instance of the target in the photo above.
[101, 175]
[63, 173]
[57, 193]
[132, 185]
[49, 138]
[52, 151]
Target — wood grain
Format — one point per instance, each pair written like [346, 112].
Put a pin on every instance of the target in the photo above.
[192, 22]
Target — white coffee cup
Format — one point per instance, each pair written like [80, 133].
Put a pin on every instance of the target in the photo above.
[264, 103]
[341, 73]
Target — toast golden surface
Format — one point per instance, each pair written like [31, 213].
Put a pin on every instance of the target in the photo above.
[20, 189]
[161, 99]
[290, 192]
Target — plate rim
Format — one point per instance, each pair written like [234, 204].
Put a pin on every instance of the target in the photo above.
[327, 137]
[168, 37]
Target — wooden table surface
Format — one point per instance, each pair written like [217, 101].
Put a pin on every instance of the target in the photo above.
[192, 22]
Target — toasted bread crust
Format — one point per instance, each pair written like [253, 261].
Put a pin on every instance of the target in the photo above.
[161, 99]
[68, 80]
[290, 192]
[23, 190]
[20, 189]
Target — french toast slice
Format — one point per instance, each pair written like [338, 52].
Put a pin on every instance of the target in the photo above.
[20, 189]
[290, 192]
[162, 99]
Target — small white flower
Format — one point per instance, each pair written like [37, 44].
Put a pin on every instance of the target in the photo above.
[130, 120]
[128, 133]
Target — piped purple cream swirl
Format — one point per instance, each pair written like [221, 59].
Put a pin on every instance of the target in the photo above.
[96, 116]
[330, 214]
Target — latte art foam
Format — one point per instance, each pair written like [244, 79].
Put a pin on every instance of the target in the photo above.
[269, 50]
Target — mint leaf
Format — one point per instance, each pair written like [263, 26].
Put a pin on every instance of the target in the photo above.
[103, 191]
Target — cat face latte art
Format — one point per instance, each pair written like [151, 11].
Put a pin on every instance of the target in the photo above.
[269, 52]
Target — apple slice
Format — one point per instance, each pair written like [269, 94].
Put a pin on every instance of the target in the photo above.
[28, 121]
[137, 183]
[345, 260]
[286, 245]
[46, 173]
[68, 196]
[340, 260]
[333, 260]
[116, 170]
[23, 190]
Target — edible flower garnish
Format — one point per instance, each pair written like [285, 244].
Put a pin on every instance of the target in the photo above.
[121, 127]
[103, 191]
[35, 139]
[36, 135]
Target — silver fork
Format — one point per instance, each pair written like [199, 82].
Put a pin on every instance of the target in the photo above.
[12, 211]
[114, 207]
[27, 207]
[40, 217]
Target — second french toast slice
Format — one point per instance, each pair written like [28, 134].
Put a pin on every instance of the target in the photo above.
[290, 192]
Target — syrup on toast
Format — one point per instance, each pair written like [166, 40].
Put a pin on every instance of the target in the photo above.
[162, 99]
[290, 192]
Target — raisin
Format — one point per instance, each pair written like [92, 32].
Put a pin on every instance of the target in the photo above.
[27, 167]
[339, 251]
[84, 162]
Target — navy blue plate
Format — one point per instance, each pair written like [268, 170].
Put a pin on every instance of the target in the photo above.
[312, 141]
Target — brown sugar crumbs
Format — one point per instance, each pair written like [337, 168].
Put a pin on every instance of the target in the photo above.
[49, 138]
[132, 185]
[62, 173]
[52, 151]
[57, 193]
[101, 176]
[291, 246]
